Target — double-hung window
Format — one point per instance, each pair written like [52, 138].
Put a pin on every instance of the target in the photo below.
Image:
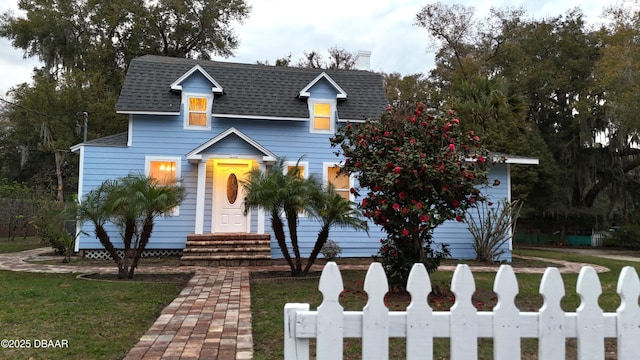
[342, 183]
[322, 116]
[197, 111]
[165, 170]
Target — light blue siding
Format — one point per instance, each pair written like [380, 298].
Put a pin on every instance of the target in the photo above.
[323, 90]
[163, 135]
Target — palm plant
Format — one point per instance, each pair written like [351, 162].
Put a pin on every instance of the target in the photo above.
[331, 210]
[266, 190]
[132, 203]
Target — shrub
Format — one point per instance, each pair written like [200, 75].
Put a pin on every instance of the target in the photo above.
[331, 250]
[491, 228]
[417, 169]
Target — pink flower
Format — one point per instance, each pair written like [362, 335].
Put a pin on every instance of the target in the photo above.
[458, 218]
[386, 133]
[397, 170]
[364, 202]
[452, 147]
[412, 141]
[472, 200]
[456, 121]
[424, 218]
[481, 159]
[455, 203]
[405, 232]
[396, 207]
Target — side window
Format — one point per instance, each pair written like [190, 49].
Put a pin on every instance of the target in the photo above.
[341, 182]
[302, 166]
[322, 116]
[197, 111]
[165, 170]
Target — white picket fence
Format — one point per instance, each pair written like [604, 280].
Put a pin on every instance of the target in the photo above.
[463, 324]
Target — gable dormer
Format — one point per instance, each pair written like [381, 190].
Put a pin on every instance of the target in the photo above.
[197, 88]
[322, 94]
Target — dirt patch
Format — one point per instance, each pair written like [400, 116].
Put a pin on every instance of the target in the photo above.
[174, 278]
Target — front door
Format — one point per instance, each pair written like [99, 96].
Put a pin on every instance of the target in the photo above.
[228, 195]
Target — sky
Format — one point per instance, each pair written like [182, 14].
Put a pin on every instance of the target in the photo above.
[277, 28]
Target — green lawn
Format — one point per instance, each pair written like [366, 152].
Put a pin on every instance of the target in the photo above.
[19, 244]
[98, 320]
[269, 297]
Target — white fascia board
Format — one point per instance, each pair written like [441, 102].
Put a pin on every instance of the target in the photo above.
[177, 85]
[76, 148]
[523, 161]
[351, 120]
[256, 117]
[304, 93]
[147, 113]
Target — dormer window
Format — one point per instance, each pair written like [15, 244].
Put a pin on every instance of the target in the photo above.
[197, 111]
[322, 116]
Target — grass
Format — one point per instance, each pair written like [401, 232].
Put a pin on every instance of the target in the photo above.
[99, 320]
[19, 244]
[269, 298]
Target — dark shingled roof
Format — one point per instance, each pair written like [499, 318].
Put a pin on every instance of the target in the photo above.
[253, 90]
[118, 140]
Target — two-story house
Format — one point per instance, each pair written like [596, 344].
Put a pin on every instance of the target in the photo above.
[207, 123]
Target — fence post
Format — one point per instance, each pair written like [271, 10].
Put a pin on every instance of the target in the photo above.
[464, 322]
[419, 315]
[551, 340]
[375, 315]
[294, 348]
[590, 319]
[330, 325]
[506, 316]
[628, 324]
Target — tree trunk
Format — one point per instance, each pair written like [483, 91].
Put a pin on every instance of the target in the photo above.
[102, 235]
[59, 159]
[292, 221]
[147, 229]
[278, 230]
[323, 235]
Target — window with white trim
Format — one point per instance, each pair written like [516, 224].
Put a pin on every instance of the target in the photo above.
[322, 113]
[197, 111]
[342, 183]
[165, 170]
[302, 166]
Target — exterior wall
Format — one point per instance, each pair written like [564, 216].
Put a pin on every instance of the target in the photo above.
[163, 135]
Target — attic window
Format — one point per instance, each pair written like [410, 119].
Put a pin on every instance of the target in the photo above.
[322, 116]
[197, 111]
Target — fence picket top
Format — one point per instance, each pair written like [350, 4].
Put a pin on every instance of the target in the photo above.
[628, 287]
[588, 287]
[375, 284]
[419, 286]
[551, 289]
[330, 283]
[506, 287]
[463, 286]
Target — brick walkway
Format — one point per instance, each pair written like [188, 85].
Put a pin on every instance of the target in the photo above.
[211, 317]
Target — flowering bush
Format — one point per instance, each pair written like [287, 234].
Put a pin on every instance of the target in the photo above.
[416, 169]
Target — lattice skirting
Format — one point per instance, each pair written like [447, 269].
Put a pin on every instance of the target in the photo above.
[101, 254]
